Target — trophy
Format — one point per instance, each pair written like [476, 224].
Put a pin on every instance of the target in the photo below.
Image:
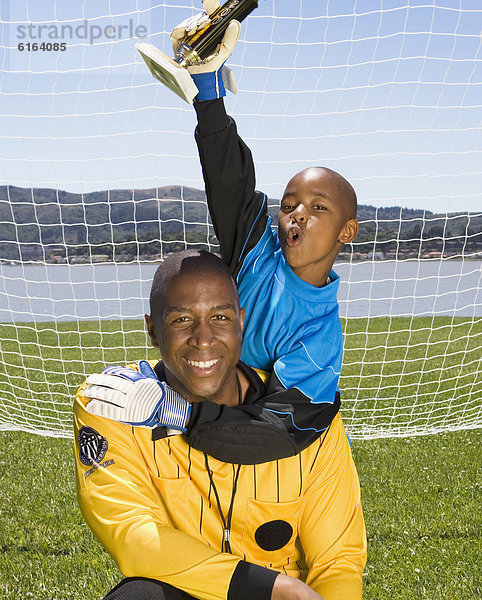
[193, 49]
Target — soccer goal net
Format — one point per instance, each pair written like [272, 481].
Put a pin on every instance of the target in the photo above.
[100, 180]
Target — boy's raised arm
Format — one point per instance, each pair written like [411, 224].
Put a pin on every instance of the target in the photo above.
[239, 213]
[283, 421]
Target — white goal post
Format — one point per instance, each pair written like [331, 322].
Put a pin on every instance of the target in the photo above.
[100, 179]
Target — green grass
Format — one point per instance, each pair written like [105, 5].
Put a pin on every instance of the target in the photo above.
[420, 498]
[420, 494]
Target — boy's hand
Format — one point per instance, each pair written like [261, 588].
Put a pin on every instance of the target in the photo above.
[192, 24]
[211, 76]
[140, 399]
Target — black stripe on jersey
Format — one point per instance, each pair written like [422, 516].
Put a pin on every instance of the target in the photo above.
[277, 481]
[320, 440]
[210, 489]
[201, 517]
[154, 457]
[301, 474]
[254, 481]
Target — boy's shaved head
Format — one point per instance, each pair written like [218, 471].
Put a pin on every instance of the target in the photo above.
[345, 192]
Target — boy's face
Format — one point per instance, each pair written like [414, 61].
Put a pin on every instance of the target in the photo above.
[314, 222]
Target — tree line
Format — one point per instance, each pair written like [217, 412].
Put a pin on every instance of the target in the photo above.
[40, 224]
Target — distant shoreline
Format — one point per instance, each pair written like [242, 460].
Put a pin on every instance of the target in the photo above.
[40, 225]
[454, 258]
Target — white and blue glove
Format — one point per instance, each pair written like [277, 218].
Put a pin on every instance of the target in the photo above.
[211, 76]
[136, 398]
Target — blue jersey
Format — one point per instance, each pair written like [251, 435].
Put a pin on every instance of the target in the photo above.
[291, 326]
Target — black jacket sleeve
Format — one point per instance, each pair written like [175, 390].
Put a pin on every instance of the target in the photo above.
[260, 430]
[264, 430]
[239, 213]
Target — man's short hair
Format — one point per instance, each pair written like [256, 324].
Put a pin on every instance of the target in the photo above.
[186, 262]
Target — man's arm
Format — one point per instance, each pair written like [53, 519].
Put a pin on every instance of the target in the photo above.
[239, 213]
[289, 588]
[279, 424]
[125, 511]
[331, 525]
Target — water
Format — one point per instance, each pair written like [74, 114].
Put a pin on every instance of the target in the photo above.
[389, 288]
[108, 291]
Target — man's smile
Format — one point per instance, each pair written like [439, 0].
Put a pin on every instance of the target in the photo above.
[202, 367]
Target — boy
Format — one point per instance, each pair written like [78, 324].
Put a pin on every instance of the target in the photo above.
[285, 283]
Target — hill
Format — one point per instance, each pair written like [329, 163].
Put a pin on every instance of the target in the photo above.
[42, 224]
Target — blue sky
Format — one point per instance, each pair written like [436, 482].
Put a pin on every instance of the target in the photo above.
[387, 92]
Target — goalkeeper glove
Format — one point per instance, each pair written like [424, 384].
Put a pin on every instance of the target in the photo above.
[211, 76]
[136, 398]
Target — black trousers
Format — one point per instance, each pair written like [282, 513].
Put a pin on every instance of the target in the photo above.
[140, 588]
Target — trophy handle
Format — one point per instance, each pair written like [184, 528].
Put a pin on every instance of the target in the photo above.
[202, 44]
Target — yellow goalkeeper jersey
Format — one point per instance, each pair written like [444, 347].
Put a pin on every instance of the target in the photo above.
[166, 511]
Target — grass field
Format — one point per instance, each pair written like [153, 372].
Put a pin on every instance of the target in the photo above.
[421, 495]
[421, 501]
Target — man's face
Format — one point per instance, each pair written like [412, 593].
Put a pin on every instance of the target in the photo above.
[313, 224]
[200, 337]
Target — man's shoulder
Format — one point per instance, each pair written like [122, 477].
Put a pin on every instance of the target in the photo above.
[331, 443]
[263, 375]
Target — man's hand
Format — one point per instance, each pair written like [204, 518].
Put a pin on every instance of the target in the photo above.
[140, 399]
[290, 588]
[211, 76]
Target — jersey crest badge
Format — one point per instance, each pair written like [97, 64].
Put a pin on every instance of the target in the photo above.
[92, 446]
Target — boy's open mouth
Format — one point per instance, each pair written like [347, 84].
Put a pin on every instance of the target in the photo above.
[294, 236]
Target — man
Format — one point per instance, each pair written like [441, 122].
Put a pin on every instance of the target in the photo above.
[181, 524]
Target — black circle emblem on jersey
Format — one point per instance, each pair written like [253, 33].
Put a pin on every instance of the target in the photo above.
[92, 446]
[273, 535]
